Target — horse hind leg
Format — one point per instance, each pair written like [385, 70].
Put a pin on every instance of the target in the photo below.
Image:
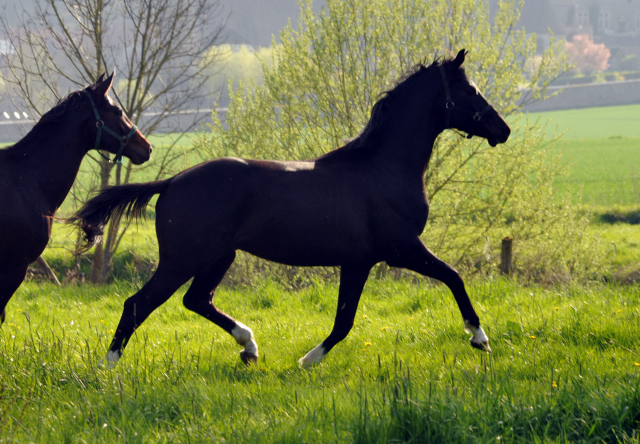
[138, 307]
[199, 299]
[10, 280]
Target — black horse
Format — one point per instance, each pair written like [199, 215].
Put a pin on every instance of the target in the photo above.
[356, 206]
[37, 173]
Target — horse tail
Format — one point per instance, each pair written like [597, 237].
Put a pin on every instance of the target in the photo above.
[129, 200]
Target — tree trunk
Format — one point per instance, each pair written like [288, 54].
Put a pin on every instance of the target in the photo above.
[47, 270]
[97, 263]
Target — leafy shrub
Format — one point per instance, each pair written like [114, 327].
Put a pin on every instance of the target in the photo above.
[329, 72]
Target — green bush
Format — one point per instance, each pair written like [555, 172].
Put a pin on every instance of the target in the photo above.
[329, 72]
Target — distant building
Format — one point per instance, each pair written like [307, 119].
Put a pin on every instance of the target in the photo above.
[598, 18]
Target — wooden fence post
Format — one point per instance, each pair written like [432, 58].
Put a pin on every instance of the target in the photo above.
[506, 255]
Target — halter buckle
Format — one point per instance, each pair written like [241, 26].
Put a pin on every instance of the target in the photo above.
[449, 103]
[99, 123]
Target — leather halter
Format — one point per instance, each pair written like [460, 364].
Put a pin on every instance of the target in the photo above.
[450, 104]
[101, 126]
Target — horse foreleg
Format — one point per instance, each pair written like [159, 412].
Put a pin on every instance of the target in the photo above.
[199, 298]
[10, 280]
[418, 258]
[352, 280]
[139, 306]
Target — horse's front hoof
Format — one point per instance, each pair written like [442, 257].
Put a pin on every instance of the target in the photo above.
[312, 358]
[248, 358]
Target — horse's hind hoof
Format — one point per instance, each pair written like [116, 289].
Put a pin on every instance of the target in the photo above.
[484, 346]
[248, 358]
[479, 338]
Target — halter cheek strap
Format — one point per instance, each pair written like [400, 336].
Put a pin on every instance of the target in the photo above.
[449, 104]
[124, 140]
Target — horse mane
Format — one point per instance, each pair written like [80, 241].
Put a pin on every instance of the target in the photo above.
[380, 111]
[54, 115]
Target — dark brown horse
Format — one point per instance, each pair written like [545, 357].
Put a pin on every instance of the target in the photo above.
[37, 173]
[356, 206]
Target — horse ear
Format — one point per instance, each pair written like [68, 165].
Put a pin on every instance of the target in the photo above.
[103, 85]
[459, 60]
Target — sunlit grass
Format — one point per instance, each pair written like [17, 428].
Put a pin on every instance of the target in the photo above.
[593, 123]
[564, 350]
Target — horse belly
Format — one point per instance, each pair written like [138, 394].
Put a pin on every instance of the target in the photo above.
[20, 242]
[307, 238]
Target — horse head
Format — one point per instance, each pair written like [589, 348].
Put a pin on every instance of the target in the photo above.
[465, 107]
[122, 137]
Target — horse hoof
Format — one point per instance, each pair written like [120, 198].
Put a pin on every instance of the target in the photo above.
[312, 358]
[248, 358]
[484, 346]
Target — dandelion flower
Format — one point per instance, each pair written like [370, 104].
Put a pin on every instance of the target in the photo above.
[554, 385]
[384, 328]
[532, 336]
[557, 308]
[364, 316]
[367, 344]
[637, 364]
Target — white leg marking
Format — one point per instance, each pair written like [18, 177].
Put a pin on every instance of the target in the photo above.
[315, 356]
[478, 339]
[244, 336]
[112, 359]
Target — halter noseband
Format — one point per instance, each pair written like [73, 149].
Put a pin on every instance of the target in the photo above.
[449, 104]
[100, 125]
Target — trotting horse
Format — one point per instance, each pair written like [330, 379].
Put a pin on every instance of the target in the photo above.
[37, 173]
[355, 206]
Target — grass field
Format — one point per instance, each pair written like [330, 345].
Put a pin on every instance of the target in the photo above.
[565, 364]
[564, 368]
[594, 123]
[604, 171]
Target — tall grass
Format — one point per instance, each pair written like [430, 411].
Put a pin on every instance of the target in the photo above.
[564, 367]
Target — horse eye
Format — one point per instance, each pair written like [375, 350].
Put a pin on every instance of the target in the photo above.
[119, 112]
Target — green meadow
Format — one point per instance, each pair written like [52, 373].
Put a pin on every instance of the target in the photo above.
[565, 365]
[564, 368]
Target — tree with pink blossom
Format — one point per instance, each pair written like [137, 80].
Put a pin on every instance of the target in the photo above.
[586, 55]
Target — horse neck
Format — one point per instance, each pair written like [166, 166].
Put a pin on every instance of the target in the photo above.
[412, 131]
[50, 156]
